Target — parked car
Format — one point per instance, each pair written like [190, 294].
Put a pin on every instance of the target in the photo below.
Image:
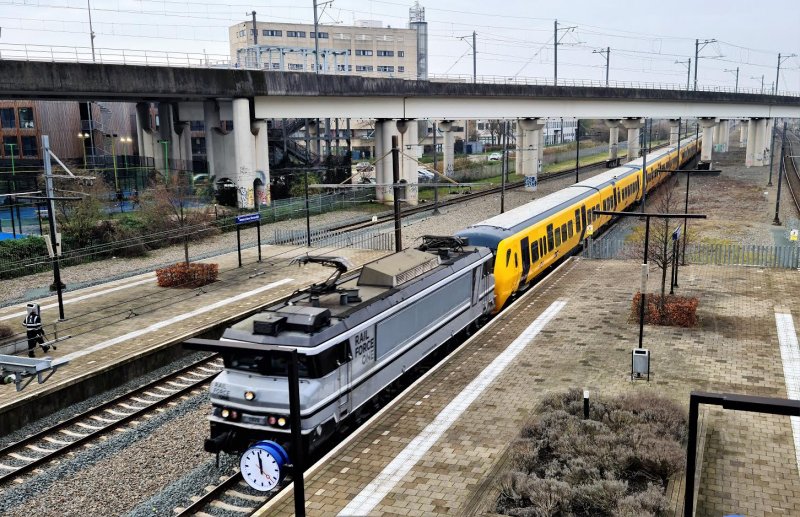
[424, 175]
[495, 157]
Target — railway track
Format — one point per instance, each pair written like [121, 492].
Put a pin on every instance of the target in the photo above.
[791, 169]
[52, 443]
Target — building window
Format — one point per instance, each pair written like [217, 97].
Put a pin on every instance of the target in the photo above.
[344, 68]
[198, 145]
[363, 68]
[401, 69]
[401, 53]
[385, 69]
[241, 34]
[296, 34]
[276, 66]
[362, 52]
[26, 118]
[386, 53]
[271, 32]
[29, 147]
[10, 146]
[295, 66]
[321, 35]
[197, 125]
[7, 118]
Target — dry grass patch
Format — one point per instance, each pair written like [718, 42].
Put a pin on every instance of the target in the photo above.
[615, 463]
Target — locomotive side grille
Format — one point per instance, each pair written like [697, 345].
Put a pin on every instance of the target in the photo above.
[410, 274]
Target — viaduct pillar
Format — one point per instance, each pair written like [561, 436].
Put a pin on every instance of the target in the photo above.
[531, 129]
[759, 152]
[674, 131]
[750, 132]
[708, 138]
[448, 147]
[613, 138]
[633, 125]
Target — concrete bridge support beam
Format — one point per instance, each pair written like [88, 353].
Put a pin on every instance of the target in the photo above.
[674, 131]
[750, 141]
[759, 152]
[633, 125]
[708, 138]
[261, 187]
[211, 126]
[531, 163]
[448, 146]
[613, 138]
[145, 133]
[244, 154]
[725, 135]
[409, 154]
[768, 139]
[384, 130]
[743, 125]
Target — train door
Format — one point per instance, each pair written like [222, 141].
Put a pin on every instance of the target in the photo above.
[526, 258]
[344, 374]
[583, 217]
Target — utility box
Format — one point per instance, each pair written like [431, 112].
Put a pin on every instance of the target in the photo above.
[640, 363]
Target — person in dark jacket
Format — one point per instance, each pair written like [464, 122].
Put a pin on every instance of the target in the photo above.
[33, 326]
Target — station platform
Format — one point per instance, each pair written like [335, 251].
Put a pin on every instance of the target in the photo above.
[441, 448]
[120, 323]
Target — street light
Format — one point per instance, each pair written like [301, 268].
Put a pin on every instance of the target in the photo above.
[762, 83]
[83, 137]
[735, 88]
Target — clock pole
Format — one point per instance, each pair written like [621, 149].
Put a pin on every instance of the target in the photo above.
[297, 437]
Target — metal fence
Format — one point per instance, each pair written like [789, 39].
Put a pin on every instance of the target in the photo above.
[705, 254]
[371, 240]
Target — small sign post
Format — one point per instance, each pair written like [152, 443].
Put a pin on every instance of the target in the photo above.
[589, 233]
[247, 219]
[793, 238]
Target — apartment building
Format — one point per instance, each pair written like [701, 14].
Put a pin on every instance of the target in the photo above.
[366, 48]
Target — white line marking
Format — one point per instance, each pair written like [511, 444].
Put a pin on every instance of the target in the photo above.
[790, 357]
[161, 324]
[366, 501]
[83, 297]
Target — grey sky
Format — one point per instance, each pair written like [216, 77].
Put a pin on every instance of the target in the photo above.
[514, 36]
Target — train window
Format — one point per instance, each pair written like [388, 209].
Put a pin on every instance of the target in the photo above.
[550, 244]
[590, 215]
[508, 257]
[563, 233]
[516, 261]
[569, 229]
[558, 237]
[268, 362]
[543, 245]
[534, 252]
[487, 267]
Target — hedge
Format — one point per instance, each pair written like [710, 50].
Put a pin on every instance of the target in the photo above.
[187, 275]
[20, 257]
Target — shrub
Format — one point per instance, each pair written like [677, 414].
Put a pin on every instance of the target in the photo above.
[616, 463]
[20, 257]
[5, 331]
[187, 275]
[678, 311]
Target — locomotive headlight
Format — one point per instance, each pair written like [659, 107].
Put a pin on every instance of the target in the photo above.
[249, 395]
[225, 413]
[281, 422]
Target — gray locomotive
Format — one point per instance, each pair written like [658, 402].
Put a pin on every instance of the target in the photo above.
[355, 334]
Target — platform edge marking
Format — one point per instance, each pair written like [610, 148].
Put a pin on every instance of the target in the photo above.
[790, 357]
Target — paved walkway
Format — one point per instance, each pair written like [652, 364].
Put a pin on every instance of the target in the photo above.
[117, 322]
[750, 462]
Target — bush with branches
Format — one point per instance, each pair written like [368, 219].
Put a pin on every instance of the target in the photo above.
[188, 275]
[615, 463]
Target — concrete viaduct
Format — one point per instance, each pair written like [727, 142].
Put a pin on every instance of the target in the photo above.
[251, 97]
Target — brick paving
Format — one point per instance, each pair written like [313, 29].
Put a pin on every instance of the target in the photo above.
[749, 462]
[111, 315]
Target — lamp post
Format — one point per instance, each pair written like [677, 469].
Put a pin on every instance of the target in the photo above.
[83, 137]
[114, 158]
[14, 189]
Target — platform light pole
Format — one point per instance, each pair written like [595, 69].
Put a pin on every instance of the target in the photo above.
[435, 175]
[14, 189]
[771, 153]
[165, 143]
[398, 236]
[645, 264]
[777, 220]
[698, 46]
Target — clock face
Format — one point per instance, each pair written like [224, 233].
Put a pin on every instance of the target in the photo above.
[260, 469]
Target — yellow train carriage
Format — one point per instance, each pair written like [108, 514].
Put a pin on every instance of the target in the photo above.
[530, 238]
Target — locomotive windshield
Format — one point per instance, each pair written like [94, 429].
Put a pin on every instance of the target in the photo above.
[276, 363]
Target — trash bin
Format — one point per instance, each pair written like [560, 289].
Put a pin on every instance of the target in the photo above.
[640, 363]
